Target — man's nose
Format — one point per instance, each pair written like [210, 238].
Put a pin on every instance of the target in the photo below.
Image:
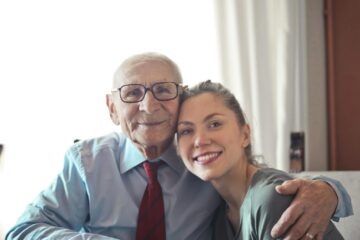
[149, 104]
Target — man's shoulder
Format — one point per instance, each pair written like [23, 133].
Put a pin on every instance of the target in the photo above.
[94, 145]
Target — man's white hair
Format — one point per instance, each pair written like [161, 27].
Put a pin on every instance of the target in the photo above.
[119, 75]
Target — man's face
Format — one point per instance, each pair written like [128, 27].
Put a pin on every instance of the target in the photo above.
[150, 122]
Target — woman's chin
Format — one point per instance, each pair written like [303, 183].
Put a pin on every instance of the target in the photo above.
[205, 176]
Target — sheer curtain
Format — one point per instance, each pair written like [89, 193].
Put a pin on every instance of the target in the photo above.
[262, 55]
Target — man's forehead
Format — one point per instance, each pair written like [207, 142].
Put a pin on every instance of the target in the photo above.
[137, 67]
[145, 72]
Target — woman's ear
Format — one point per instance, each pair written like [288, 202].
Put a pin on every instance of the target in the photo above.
[247, 136]
[112, 109]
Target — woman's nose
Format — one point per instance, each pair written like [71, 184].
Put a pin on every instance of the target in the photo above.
[201, 139]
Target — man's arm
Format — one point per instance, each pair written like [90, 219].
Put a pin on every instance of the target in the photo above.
[33, 231]
[312, 208]
[59, 212]
[344, 207]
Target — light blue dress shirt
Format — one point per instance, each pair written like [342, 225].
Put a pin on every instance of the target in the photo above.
[344, 207]
[98, 193]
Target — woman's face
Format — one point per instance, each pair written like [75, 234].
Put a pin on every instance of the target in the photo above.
[210, 139]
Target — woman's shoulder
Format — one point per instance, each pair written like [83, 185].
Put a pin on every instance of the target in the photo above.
[262, 190]
[263, 206]
[269, 176]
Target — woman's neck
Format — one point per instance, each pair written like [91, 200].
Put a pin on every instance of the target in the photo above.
[233, 188]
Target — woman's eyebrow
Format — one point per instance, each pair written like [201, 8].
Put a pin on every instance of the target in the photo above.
[204, 120]
[185, 123]
[212, 115]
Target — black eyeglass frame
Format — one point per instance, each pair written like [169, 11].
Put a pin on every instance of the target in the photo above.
[146, 89]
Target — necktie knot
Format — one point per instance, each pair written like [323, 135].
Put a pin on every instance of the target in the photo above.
[151, 171]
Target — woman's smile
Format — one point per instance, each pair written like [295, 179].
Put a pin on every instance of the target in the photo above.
[207, 158]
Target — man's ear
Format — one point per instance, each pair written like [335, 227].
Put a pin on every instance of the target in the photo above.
[112, 109]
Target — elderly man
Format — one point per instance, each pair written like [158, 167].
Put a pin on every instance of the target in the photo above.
[99, 192]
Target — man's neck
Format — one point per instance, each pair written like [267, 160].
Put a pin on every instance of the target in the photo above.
[153, 151]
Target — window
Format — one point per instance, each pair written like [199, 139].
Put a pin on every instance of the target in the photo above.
[57, 60]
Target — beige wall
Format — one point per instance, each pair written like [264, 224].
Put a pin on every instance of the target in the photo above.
[316, 120]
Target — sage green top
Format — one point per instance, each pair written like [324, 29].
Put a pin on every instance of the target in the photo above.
[261, 209]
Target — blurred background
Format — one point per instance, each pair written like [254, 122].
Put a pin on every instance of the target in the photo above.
[57, 59]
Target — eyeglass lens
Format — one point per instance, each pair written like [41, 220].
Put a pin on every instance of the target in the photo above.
[136, 92]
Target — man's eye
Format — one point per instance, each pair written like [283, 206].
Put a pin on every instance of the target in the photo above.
[133, 93]
[161, 90]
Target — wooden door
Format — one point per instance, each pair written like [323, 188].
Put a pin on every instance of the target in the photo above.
[342, 19]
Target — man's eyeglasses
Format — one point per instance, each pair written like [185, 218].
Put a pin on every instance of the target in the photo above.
[162, 91]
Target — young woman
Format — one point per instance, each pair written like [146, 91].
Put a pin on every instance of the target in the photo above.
[214, 143]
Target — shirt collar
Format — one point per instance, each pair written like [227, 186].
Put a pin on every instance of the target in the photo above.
[130, 157]
[171, 158]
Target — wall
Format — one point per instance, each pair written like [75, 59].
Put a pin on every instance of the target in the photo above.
[316, 133]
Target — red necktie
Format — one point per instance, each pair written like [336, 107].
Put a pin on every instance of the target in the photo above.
[151, 219]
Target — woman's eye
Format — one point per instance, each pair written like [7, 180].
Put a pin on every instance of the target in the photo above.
[183, 132]
[215, 124]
